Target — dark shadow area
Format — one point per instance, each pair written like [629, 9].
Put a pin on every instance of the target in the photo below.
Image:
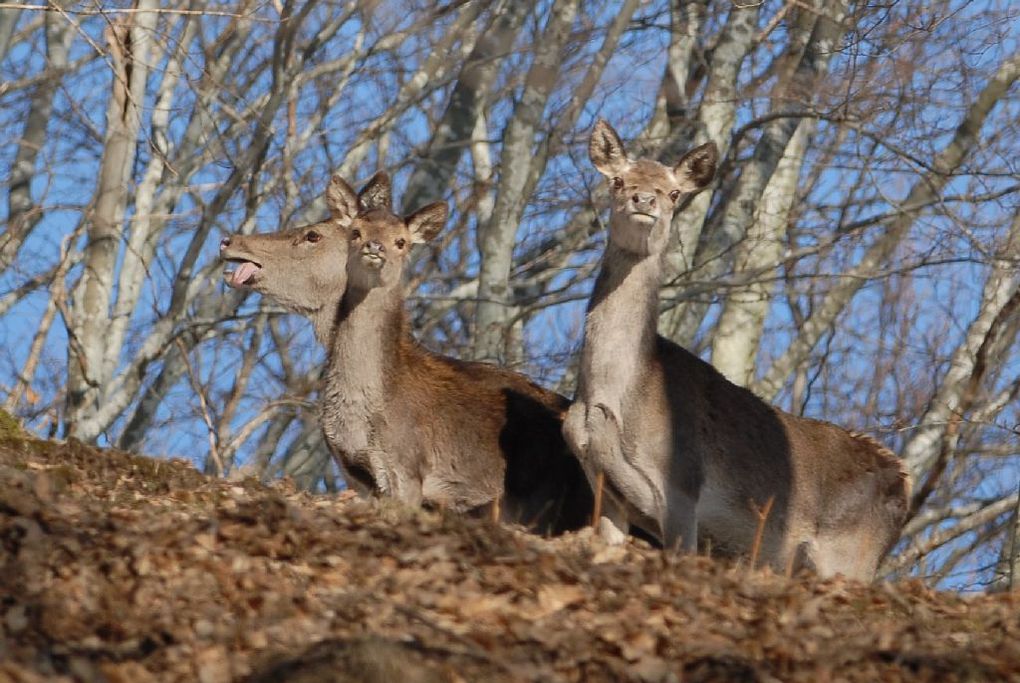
[544, 483]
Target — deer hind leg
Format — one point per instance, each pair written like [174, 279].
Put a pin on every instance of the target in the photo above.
[680, 526]
[850, 552]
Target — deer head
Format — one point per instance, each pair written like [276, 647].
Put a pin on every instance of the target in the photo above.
[304, 269]
[644, 192]
[379, 240]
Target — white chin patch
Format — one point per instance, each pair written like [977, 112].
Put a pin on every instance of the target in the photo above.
[643, 218]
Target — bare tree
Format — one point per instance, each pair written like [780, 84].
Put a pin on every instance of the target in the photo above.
[856, 259]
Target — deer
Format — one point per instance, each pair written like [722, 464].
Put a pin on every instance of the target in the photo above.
[401, 421]
[675, 449]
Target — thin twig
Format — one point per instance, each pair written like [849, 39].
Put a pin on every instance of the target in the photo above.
[495, 509]
[600, 482]
[774, 22]
[134, 10]
[790, 564]
[206, 417]
[1014, 549]
[763, 515]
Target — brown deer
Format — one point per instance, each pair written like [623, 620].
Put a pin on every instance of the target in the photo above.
[303, 269]
[403, 421]
[681, 450]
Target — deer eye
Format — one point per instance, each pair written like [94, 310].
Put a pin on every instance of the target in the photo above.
[355, 234]
[674, 195]
[400, 243]
[312, 236]
[617, 183]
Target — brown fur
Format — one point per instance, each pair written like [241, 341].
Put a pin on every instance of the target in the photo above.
[401, 420]
[686, 453]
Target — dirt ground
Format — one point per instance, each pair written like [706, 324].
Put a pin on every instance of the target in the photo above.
[127, 569]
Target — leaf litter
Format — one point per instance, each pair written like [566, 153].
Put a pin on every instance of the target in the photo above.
[120, 568]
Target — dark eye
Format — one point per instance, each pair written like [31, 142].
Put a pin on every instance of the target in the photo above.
[312, 236]
[674, 195]
[400, 243]
[355, 234]
[618, 183]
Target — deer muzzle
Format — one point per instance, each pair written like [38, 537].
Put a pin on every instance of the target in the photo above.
[373, 254]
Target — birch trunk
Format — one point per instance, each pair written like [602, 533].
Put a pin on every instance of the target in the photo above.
[923, 193]
[1002, 288]
[715, 120]
[496, 238]
[819, 31]
[470, 95]
[742, 321]
[129, 45]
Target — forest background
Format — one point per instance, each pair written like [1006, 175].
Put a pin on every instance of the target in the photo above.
[857, 259]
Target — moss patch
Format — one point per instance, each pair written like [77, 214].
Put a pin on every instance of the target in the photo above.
[9, 427]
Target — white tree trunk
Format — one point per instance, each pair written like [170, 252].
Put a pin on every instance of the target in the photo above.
[926, 190]
[924, 446]
[496, 238]
[129, 45]
[742, 321]
[716, 115]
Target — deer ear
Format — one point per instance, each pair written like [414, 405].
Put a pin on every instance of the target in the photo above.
[606, 149]
[377, 193]
[696, 169]
[340, 198]
[425, 223]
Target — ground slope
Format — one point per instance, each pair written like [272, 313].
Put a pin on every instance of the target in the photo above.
[121, 568]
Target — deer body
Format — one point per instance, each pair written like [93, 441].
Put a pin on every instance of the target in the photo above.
[684, 452]
[402, 421]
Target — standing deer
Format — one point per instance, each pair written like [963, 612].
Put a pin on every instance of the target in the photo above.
[403, 421]
[680, 449]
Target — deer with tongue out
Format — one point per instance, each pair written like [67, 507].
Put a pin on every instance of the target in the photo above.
[244, 274]
[402, 421]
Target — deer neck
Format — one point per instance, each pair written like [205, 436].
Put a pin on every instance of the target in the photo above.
[364, 343]
[325, 319]
[621, 324]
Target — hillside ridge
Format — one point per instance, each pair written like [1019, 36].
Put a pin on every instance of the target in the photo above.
[117, 567]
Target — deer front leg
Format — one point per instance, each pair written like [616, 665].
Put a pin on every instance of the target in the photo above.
[372, 465]
[605, 443]
[613, 524]
[594, 436]
[575, 431]
[593, 433]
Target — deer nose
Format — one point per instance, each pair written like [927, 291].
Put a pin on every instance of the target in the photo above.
[643, 200]
[224, 243]
[374, 248]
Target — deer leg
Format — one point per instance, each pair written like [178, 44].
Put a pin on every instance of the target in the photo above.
[575, 431]
[594, 437]
[680, 526]
[408, 490]
[605, 446]
[613, 525]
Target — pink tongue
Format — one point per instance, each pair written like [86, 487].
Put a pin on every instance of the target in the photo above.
[243, 272]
